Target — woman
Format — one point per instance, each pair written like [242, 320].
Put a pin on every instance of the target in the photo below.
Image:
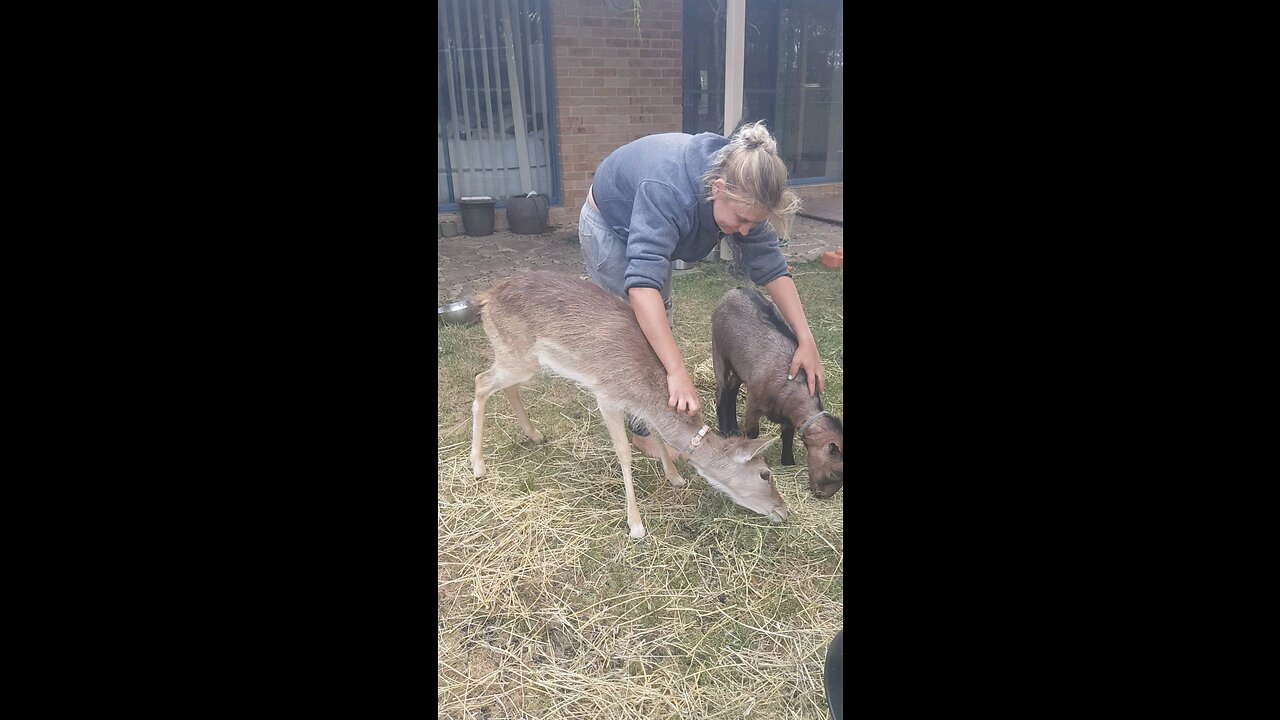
[671, 197]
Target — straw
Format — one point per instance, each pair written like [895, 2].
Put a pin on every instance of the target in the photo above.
[547, 609]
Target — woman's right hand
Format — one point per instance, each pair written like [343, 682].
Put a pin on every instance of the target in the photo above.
[683, 397]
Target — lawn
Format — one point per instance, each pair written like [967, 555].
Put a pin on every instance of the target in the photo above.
[549, 610]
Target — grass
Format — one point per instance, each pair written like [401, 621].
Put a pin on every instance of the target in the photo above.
[549, 610]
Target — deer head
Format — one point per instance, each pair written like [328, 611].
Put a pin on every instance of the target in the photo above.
[734, 466]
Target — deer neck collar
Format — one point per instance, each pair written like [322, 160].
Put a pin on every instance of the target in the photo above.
[809, 422]
[697, 439]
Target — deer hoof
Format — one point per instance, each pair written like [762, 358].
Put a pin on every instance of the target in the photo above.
[637, 532]
[536, 437]
[676, 481]
[477, 468]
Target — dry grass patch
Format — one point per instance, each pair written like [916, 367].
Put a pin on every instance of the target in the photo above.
[549, 610]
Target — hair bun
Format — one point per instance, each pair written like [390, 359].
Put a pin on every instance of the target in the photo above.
[750, 176]
[756, 135]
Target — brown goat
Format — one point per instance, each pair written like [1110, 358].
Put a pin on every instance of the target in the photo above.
[581, 332]
[751, 343]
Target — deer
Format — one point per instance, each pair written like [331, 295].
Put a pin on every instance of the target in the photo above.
[579, 331]
[752, 343]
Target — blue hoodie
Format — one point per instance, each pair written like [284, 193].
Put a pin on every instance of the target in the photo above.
[650, 193]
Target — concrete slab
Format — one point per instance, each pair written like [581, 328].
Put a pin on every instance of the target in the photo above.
[828, 209]
[467, 265]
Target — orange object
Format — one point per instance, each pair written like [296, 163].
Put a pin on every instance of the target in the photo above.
[833, 259]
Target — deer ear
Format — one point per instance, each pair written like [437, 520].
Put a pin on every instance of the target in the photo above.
[753, 449]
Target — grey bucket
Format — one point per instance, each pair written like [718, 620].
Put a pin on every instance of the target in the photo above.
[477, 214]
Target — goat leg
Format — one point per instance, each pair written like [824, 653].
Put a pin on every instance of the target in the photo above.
[727, 384]
[788, 435]
[751, 418]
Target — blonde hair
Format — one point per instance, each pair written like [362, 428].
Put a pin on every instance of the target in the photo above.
[754, 174]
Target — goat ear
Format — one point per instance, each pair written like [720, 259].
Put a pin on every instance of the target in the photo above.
[754, 449]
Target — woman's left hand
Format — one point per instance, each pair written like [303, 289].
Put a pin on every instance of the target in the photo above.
[807, 357]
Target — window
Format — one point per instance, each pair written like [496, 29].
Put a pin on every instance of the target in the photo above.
[703, 74]
[495, 130]
[793, 78]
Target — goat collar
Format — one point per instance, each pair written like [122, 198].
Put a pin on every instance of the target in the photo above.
[809, 422]
[697, 439]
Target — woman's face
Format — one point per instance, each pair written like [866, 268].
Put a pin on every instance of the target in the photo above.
[731, 215]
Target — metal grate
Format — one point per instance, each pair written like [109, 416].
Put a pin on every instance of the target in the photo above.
[494, 133]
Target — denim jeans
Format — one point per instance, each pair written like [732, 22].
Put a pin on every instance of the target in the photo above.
[606, 257]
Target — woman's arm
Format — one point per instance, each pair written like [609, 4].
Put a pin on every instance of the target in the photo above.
[652, 314]
[783, 292]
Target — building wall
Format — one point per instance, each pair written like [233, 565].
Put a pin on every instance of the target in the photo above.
[612, 86]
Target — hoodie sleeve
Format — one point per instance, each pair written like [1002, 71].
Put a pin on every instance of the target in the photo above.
[761, 255]
[657, 224]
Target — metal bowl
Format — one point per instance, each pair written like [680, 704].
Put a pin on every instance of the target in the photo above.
[462, 312]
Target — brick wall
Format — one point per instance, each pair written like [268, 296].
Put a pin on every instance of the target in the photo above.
[612, 86]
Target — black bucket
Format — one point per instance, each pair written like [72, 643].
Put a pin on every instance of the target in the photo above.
[477, 215]
[527, 214]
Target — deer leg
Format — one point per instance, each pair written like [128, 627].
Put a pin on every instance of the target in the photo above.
[484, 382]
[669, 468]
[487, 383]
[616, 422]
[751, 419]
[788, 434]
[517, 407]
